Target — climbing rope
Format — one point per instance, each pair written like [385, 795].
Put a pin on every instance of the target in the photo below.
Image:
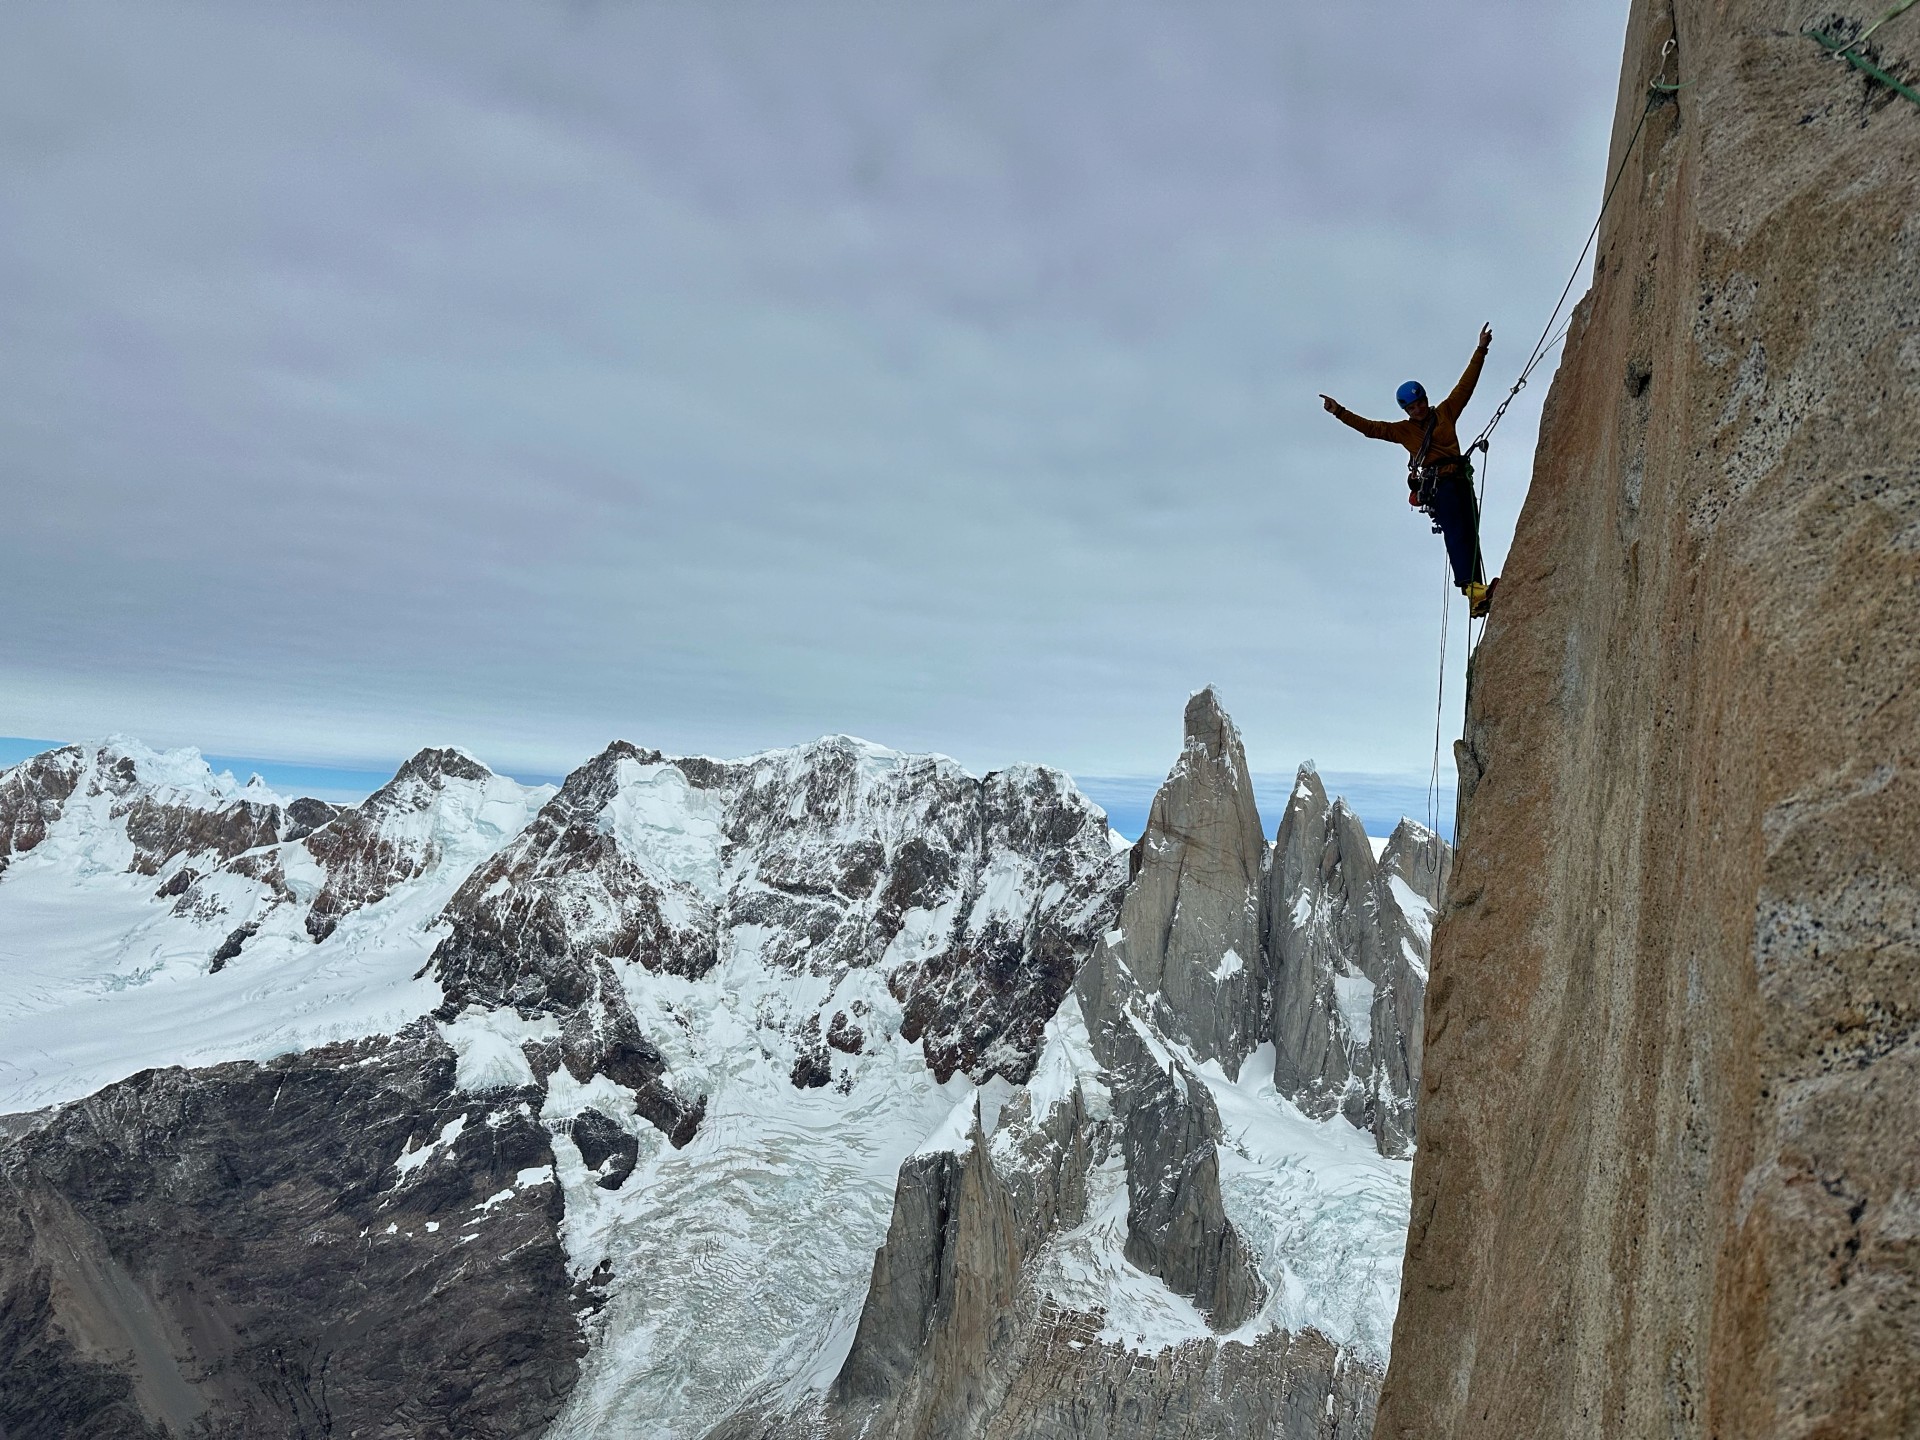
[1440, 704]
[1544, 346]
[1479, 509]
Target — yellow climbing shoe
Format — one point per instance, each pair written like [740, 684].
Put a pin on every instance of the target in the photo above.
[1479, 597]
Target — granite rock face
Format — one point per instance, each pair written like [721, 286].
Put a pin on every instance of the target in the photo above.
[1348, 942]
[1292, 1385]
[1667, 1171]
[1409, 885]
[1191, 919]
[1323, 959]
[941, 1302]
[1177, 1227]
[1187, 962]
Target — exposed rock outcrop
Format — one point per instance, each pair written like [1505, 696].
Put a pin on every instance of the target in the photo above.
[334, 1243]
[1287, 1385]
[1190, 924]
[308, 815]
[1177, 1227]
[31, 796]
[163, 829]
[941, 1302]
[1348, 944]
[606, 1148]
[1324, 961]
[1667, 1174]
[977, 898]
[1410, 884]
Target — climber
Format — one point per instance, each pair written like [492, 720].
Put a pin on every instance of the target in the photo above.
[1439, 477]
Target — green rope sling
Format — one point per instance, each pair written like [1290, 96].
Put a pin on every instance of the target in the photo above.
[1844, 50]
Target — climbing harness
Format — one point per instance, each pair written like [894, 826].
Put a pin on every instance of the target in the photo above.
[1422, 478]
[1844, 50]
[1544, 346]
[1418, 470]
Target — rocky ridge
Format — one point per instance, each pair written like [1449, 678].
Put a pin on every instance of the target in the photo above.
[974, 896]
[1348, 936]
[171, 809]
[441, 810]
[335, 1240]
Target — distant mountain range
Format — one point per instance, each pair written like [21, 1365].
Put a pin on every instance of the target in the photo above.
[826, 1091]
[1379, 797]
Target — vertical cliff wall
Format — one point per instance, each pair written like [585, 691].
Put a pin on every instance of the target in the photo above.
[1669, 1168]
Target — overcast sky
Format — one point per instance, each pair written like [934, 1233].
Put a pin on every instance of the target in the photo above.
[720, 375]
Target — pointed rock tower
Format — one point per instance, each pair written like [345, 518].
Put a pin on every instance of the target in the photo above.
[1188, 944]
[1347, 941]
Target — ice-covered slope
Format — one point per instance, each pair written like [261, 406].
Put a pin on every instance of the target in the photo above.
[130, 808]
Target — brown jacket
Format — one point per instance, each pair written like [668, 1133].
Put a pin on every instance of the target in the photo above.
[1446, 440]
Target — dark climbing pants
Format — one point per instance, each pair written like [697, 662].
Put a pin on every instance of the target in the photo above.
[1458, 517]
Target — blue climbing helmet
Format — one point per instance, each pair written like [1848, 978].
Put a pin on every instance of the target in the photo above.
[1410, 394]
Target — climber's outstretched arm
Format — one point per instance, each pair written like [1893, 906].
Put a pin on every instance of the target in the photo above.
[1372, 429]
[1470, 377]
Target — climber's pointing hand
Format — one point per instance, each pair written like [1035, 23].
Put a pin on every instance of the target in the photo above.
[1486, 336]
[1333, 405]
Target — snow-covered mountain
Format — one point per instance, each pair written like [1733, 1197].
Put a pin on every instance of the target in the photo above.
[153, 913]
[827, 1091]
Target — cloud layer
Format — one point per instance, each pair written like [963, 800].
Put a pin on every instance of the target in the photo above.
[723, 375]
